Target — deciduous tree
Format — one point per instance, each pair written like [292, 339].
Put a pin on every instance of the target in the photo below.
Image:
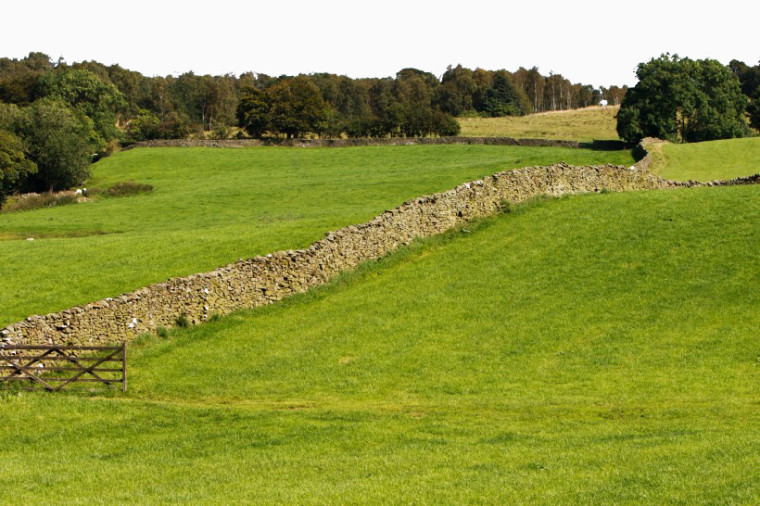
[14, 166]
[683, 100]
[58, 140]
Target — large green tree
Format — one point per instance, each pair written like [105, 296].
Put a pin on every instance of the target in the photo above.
[59, 140]
[296, 107]
[89, 94]
[502, 98]
[680, 99]
[749, 77]
[14, 166]
[19, 79]
[253, 111]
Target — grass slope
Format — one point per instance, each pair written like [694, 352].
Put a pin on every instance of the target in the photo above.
[599, 348]
[706, 161]
[591, 123]
[213, 206]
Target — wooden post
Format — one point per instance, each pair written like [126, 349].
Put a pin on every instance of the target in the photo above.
[124, 366]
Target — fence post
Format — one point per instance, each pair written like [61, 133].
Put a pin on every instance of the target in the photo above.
[124, 366]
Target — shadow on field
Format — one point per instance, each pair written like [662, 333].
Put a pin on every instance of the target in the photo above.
[604, 145]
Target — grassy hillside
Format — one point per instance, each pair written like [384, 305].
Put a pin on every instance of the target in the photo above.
[593, 349]
[706, 161]
[213, 206]
[591, 123]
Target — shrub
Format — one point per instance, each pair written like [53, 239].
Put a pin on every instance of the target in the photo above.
[127, 188]
[31, 201]
[14, 166]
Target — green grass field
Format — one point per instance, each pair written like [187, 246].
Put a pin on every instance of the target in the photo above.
[211, 207]
[591, 349]
[706, 161]
[591, 123]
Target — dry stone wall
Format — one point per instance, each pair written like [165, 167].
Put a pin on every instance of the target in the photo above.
[266, 279]
[334, 143]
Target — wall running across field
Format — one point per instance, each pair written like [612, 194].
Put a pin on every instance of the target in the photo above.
[336, 143]
[266, 279]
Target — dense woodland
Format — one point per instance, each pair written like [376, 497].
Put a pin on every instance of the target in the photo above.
[55, 118]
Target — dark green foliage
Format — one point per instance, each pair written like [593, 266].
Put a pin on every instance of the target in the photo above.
[501, 99]
[683, 100]
[86, 92]
[58, 139]
[14, 166]
[749, 77]
[455, 93]
[206, 100]
[128, 106]
[145, 125]
[296, 107]
[19, 79]
[253, 111]
[445, 125]
[754, 112]
[182, 321]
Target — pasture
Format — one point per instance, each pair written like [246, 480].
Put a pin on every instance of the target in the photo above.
[706, 161]
[597, 348]
[589, 349]
[586, 125]
[210, 207]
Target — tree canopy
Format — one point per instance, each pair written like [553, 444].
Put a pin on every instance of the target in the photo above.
[14, 166]
[749, 77]
[680, 99]
[59, 140]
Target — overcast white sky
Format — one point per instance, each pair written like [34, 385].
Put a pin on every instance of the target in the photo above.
[594, 42]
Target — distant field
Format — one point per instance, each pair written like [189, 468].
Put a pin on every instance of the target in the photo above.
[705, 161]
[211, 207]
[591, 123]
[598, 349]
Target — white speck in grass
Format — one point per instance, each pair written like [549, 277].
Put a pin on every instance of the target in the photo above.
[30, 238]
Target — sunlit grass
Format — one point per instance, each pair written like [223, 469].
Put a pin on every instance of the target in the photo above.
[591, 349]
[591, 123]
[210, 207]
[706, 161]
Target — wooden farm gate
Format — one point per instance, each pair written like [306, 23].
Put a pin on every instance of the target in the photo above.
[53, 367]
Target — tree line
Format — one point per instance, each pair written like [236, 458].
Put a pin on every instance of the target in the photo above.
[55, 117]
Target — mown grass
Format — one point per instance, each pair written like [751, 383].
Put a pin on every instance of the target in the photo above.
[210, 207]
[591, 123]
[592, 349]
[706, 161]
